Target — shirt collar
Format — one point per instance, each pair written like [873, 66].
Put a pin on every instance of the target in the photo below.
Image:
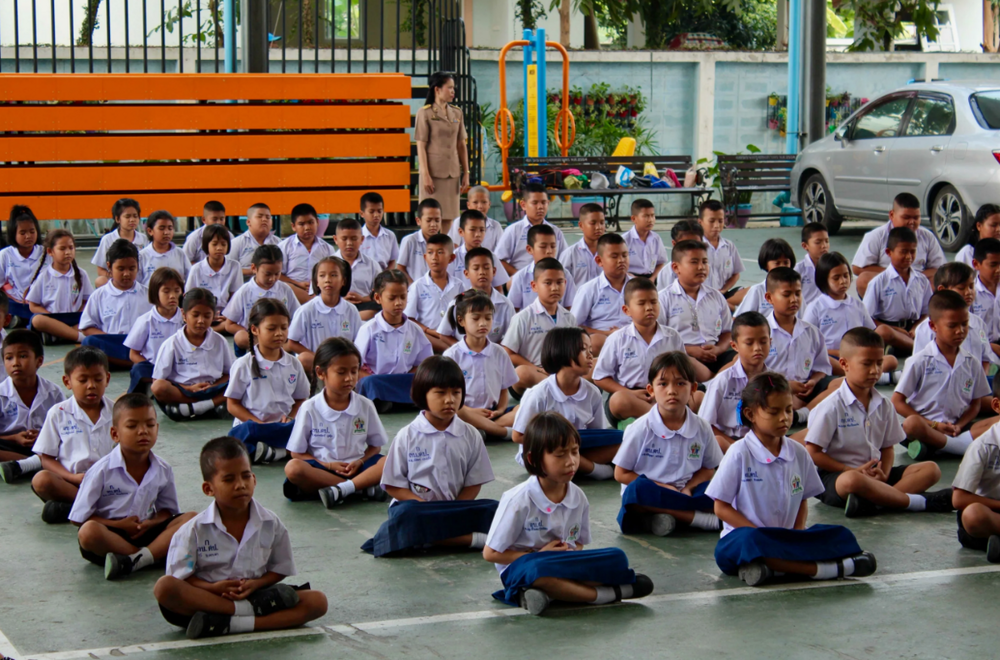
[34, 253]
[935, 353]
[323, 308]
[423, 426]
[582, 246]
[178, 316]
[117, 462]
[55, 273]
[76, 411]
[258, 516]
[633, 332]
[797, 330]
[981, 288]
[468, 351]
[543, 503]
[561, 396]
[385, 327]
[368, 234]
[846, 395]
[893, 274]
[537, 308]
[115, 291]
[284, 360]
[763, 455]
[331, 415]
[182, 337]
[656, 425]
[807, 263]
[428, 281]
[676, 288]
[151, 251]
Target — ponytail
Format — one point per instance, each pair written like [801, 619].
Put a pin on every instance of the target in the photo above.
[261, 309]
[472, 300]
[50, 242]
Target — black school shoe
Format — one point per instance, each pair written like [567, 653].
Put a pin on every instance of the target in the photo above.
[117, 566]
[10, 471]
[993, 549]
[56, 512]
[919, 451]
[939, 501]
[641, 588]
[204, 624]
[273, 599]
[755, 573]
[864, 565]
[858, 507]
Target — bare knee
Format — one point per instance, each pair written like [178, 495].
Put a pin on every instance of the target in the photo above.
[88, 534]
[884, 331]
[161, 389]
[315, 603]
[931, 471]
[912, 425]
[43, 483]
[851, 481]
[166, 589]
[976, 518]
[295, 469]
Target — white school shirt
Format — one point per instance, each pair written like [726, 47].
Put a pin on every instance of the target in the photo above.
[493, 233]
[272, 394]
[426, 302]
[580, 263]
[363, 272]
[626, 357]
[315, 321]
[503, 312]
[114, 311]
[938, 391]
[457, 269]
[3, 370]
[109, 491]
[18, 271]
[796, 356]
[965, 255]
[584, 409]
[243, 246]
[71, 438]
[336, 435]
[239, 306]
[437, 465]
[765, 488]
[521, 295]
[150, 260]
[846, 432]
[722, 395]
[889, 298]
[222, 283]
[487, 373]
[754, 301]
[527, 520]
[836, 317]
[16, 416]
[412, 249]
[723, 262]
[977, 341]
[100, 258]
[650, 449]
[151, 330]
[513, 244]
[871, 252]
[58, 292]
[179, 361]
[666, 277]
[699, 321]
[382, 248]
[979, 472]
[807, 271]
[644, 256]
[528, 329]
[985, 306]
[298, 261]
[192, 244]
[202, 548]
[388, 350]
[597, 304]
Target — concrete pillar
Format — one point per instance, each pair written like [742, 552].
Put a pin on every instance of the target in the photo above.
[635, 33]
[254, 37]
[814, 71]
[704, 107]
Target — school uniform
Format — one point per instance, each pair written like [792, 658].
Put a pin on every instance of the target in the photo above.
[503, 313]
[598, 304]
[100, 258]
[243, 246]
[150, 261]
[241, 304]
[849, 433]
[700, 321]
[979, 474]
[488, 373]
[939, 391]
[381, 249]
[192, 244]
[494, 231]
[528, 329]
[457, 269]
[390, 354]
[644, 255]
[985, 306]
[580, 263]
[520, 293]
[222, 283]
[798, 355]
[722, 396]
[723, 262]
[268, 396]
[977, 341]
[663, 456]
[182, 363]
[16, 416]
[666, 277]
[18, 271]
[316, 321]
[891, 300]
[871, 252]
[754, 301]
[835, 317]
[71, 438]
[363, 272]
[299, 260]
[626, 357]
[514, 242]
[768, 491]
[807, 271]
[965, 255]
[436, 466]
[412, 249]
[146, 337]
[426, 302]
[114, 312]
[59, 293]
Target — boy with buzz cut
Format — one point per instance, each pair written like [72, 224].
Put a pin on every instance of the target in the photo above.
[480, 271]
[428, 296]
[986, 262]
[816, 243]
[218, 585]
[940, 390]
[535, 205]
[683, 230]
[258, 234]
[127, 507]
[349, 237]
[543, 243]
[302, 250]
[76, 433]
[472, 232]
[646, 253]
[579, 259]
[25, 398]
[897, 297]
[976, 490]
[852, 437]
[378, 243]
[213, 213]
[478, 199]
[523, 341]
[412, 248]
[726, 264]
[599, 305]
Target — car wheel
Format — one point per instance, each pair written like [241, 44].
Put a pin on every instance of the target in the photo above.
[950, 219]
[817, 204]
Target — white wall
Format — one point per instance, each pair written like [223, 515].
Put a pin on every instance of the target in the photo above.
[494, 24]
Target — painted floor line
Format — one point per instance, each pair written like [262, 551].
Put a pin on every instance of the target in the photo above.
[7, 649]
[457, 617]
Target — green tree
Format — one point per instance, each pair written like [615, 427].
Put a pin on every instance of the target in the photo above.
[881, 21]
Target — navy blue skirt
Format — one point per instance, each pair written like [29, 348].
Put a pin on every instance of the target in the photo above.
[606, 566]
[394, 388]
[275, 434]
[646, 492]
[414, 525]
[818, 543]
[296, 494]
[140, 371]
[69, 318]
[594, 438]
[112, 345]
[19, 309]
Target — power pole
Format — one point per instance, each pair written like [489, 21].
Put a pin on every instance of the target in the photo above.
[814, 71]
[254, 41]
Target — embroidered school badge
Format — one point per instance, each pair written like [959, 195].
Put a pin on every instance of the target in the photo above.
[359, 426]
[694, 451]
[796, 485]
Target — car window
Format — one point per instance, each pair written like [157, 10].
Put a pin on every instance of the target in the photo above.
[881, 121]
[988, 104]
[931, 116]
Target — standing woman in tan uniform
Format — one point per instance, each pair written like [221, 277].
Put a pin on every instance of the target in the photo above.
[441, 148]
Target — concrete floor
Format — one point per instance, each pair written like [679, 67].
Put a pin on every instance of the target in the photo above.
[928, 599]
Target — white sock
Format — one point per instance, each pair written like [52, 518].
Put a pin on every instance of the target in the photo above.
[602, 472]
[802, 416]
[958, 444]
[202, 407]
[510, 433]
[347, 488]
[827, 570]
[604, 595]
[243, 608]
[627, 590]
[80, 337]
[241, 624]
[280, 453]
[705, 520]
[478, 540]
[141, 559]
[30, 464]
[848, 566]
[917, 503]
[888, 377]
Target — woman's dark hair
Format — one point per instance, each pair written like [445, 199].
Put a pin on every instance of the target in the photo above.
[198, 296]
[678, 360]
[261, 309]
[469, 301]
[212, 232]
[122, 249]
[51, 239]
[387, 277]
[436, 371]
[155, 217]
[329, 350]
[119, 207]
[827, 263]
[345, 273]
[757, 391]
[985, 211]
[561, 348]
[774, 249]
[437, 80]
[160, 277]
[546, 432]
[21, 213]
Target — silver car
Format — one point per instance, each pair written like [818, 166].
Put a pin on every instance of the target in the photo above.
[939, 141]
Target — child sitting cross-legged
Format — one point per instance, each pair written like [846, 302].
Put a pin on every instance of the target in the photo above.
[722, 253]
[21, 259]
[213, 214]
[152, 329]
[472, 233]
[413, 246]
[542, 243]
[257, 235]
[378, 243]
[479, 271]
[646, 254]
[350, 238]
[683, 230]
[220, 274]
[161, 251]
[428, 296]
[977, 490]
[59, 290]
[266, 269]
[599, 304]
[897, 297]
[302, 251]
[328, 314]
[774, 253]
[127, 217]
[579, 259]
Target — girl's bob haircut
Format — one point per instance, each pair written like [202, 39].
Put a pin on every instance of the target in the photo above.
[198, 296]
[827, 263]
[546, 432]
[757, 391]
[677, 360]
[561, 348]
[436, 371]
[345, 274]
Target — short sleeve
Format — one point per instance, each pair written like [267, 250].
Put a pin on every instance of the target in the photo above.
[812, 315]
[822, 424]
[280, 560]
[970, 472]
[925, 298]
[239, 381]
[713, 452]
[508, 375]
[444, 327]
[479, 471]
[867, 320]
[813, 484]
[661, 251]
[293, 303]
[607, 360]
[724, 486]
[709, 409]
[234, 309]
[406, 253]
[166, 499]
[163, 364]
[182, 556]
[505, 248]
[980, 387]
[91, 317]
[301, 391]
[821, 359]
[598, 420]
[865, 256]
[139, 334]
[935, 255]
[421, 125]
[228, 356]
[87, 497]
[507, 523]
[377, 437]
[513, 338]
[462, 135]
[87, 289]
[298, 440]
[751, 302]
[727, 316]
[584, 537]
[48, 440]
[412, 309]
[192, 245]
[531, 405]
[628, 450]
[297, 328]
[363, 341]
[394, 472]
[912, 378]
[738, 266]
[871, 299]
[894, 433]
[34, 294]
[583, 301]
[424, 348]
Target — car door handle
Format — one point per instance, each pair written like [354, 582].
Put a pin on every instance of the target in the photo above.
[879, 150]
[937, 147]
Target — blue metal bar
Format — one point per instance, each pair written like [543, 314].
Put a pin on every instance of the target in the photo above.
[543, 98]
[794, 75]
[229, 26]
[528, 54]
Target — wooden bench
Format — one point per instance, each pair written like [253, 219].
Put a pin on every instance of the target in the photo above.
[745, 174]
[70, 145]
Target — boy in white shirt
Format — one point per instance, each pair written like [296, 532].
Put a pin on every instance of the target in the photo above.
[472, 231]
[266, 270]
[646, 253]
[76, 433]
[127, 508]
[478, 199]
[350, 239]
[480, 272]
[986, 261]
[579, 259]
[535, 204]
[816, 243]
[726, 264]
[683, 230]
[428, 296]
[161, 251]
[542, 244]
[413, 246]
[302, 251]
[216, 585]
[599, 304]
[378, 243]
[258, 234]
[774, 253]
[977, 490]
[897, 297]
[213, 213]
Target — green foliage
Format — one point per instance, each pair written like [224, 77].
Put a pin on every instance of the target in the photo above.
[529, 11]
[884, 19]
[742, 24]
[713, 174]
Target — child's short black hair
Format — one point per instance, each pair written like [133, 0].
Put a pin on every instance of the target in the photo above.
[213, 207]
[124, 203]
[371, 198]
[683, 247]
[539, 229]
[478, 252]
[710, 205]
[258, 205]
[160, 277]
[211, 233]
[546, 432]
[827, 263]
[387, 277]
[122, 249]
[429, 203]
[678, 360]
[861, 337]
[220, 449]
[610, 238]
[757, 391]
[591, 207]
[303, 209]
[639, 205]
[21, 213]
[436, 371]
[470, 214]
[156, 216]
[131, 401]
[198, 296]
[985, 211]
[329, 350]
[810, 229]
[748, 320]
[899, 235]
[685, 227]
[348, 224]
[345, 274]
[945, 301]
[774, 249]
[441, 239]
[905, 200]
[984, 248]
[24, 337]
[561, 348]
[637, 284]
[781, 275]
[86, 357]
[952, 274]
[532, 188]
[548, 263]
[266, 255]
[471, 300]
